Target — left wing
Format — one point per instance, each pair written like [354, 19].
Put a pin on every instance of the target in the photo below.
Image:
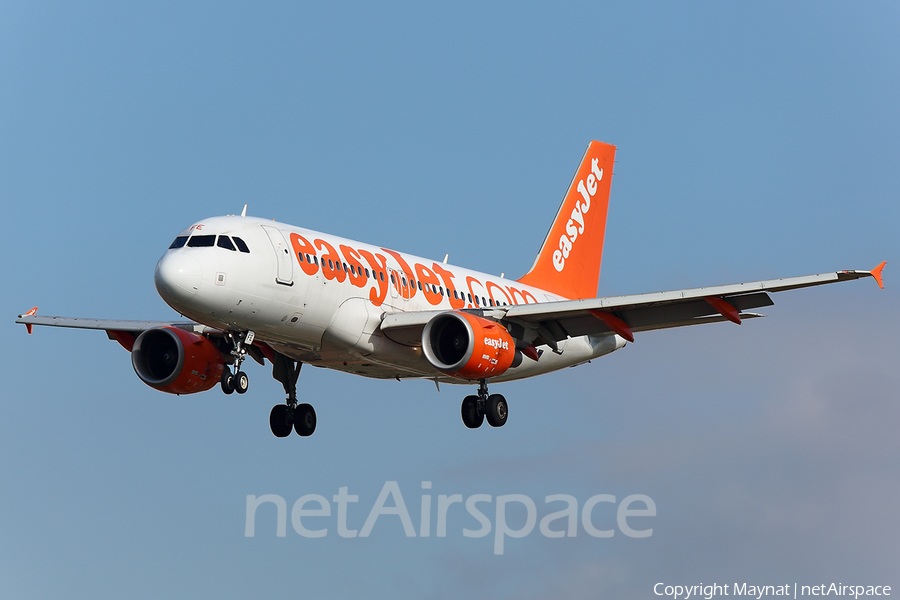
[552, 322]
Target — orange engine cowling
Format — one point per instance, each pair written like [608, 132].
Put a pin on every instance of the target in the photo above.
[468, 347]
[176, 361]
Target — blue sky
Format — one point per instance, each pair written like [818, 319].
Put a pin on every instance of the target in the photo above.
[754, 141]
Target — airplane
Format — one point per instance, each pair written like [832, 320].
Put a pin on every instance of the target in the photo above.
[288, 295]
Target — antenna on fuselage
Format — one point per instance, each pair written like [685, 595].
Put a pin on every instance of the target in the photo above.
[244, 212]
[446, 256]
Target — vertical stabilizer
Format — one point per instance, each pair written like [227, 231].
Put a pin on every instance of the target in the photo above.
[569, 261]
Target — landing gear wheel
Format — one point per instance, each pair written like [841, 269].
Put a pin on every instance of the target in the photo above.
[471, 416]
[304, 420]
[280, 420]
[496, 410]
[227, 381]
[241, 382]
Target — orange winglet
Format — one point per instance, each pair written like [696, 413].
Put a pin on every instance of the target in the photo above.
[28, 326]
[876, 273]
[725, 308]
[615, 323]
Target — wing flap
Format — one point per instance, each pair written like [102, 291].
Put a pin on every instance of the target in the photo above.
[655, 316]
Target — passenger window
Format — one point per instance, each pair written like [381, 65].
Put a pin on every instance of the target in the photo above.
[241, 245]
[367, 273]
[491, 300]
[403, 279]
[202, 241]
[315, 260]
[470, 298]
[179, 242]
[330, 264]
[476, 300]
[381, 275]
[420, 286]
[300, 256]
[392, 279]
[225, 242]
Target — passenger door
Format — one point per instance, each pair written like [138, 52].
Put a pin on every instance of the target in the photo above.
[285, 273]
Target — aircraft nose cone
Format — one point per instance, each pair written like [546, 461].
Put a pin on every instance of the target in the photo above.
[177, 277]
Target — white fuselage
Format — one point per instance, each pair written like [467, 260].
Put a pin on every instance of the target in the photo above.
[320, 299]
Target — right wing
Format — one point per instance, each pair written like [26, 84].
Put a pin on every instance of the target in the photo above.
[122, 331]
[32, 319]
[126, 332]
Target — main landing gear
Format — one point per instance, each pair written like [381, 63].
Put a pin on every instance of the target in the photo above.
[283, 418]
[476, 408]
[290, 415]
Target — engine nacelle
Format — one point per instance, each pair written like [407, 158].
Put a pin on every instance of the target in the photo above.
[468, 347]
[176, 361]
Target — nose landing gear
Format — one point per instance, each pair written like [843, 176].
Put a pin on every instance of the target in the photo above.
[476, 408]
[237, 382]
[283, 418]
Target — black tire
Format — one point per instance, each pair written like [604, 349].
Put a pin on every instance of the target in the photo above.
[305, 420]
[227, 381]
[471, 416]
[241, 382]
[496, 410]
[280, 420]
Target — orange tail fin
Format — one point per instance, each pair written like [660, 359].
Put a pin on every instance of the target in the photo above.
[569, 261]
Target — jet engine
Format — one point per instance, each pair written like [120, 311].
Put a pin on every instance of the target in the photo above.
[172, 360]
[468, 347]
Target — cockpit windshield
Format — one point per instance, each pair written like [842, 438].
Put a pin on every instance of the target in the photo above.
[201, 241]
[208, 241]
